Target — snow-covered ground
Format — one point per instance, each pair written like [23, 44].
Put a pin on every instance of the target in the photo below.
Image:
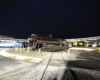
[55, 68]
[82, 65]
[78, 48]
[36, 74]
[46, 70]
[10, 66]
[19, 57]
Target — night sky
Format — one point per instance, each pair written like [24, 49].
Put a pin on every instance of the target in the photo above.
[61, 18]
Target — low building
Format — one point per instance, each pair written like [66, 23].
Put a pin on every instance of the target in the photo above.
[2, 37]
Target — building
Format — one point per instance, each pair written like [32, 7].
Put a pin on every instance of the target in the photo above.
[2, 37]
[8, 38]
[82, 39]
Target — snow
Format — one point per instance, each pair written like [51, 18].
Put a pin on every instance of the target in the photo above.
[56, 68]
[19, 57]
[36, 74]
[77, 48]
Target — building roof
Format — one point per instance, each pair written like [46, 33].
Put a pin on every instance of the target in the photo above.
[2, 36]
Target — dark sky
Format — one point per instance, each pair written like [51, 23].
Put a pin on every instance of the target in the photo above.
[62, 18]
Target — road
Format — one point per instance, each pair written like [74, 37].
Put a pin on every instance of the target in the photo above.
[10, 66]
